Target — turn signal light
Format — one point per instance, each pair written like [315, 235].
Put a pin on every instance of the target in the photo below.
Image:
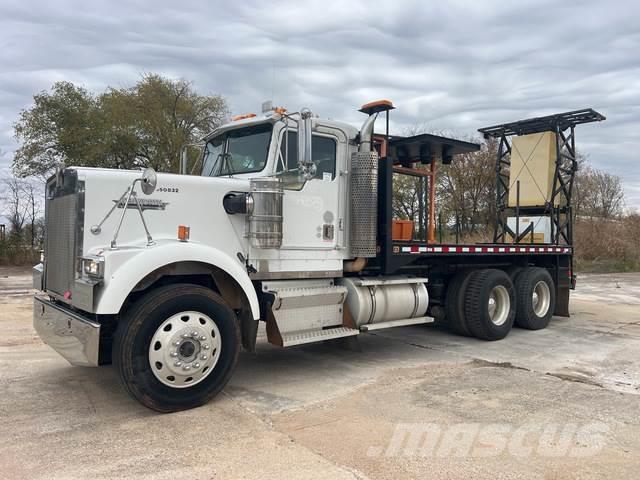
[183, 233]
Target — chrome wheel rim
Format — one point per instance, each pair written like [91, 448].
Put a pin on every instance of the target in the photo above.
[499, 305]
[541, 298]
[184, 349]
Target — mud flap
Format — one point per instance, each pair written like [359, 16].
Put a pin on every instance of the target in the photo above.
[249, 330]
[562, 302]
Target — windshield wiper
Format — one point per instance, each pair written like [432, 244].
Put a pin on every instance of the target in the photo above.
[226, 158]
[213, 165]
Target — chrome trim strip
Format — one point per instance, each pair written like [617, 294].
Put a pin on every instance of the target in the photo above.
[295, 275]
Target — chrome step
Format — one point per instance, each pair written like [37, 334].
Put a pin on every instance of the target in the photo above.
[302, 306]
[310, 336]
[396, 323]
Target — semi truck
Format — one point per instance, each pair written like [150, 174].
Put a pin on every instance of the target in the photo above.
[287, 219]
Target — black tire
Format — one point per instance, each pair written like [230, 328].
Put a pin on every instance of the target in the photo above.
[476, 305]
[454, 303]
[137, 328]
[526, 315]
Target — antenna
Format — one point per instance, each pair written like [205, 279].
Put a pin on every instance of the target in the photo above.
[273, 75]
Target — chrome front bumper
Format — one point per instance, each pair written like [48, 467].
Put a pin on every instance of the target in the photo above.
[72, 336]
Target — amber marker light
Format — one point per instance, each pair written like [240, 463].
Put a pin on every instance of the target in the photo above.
[183, 233]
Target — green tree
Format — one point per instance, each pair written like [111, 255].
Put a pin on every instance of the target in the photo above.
[144, 125]
[61, 126]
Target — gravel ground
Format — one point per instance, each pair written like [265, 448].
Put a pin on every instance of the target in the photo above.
[557, 403]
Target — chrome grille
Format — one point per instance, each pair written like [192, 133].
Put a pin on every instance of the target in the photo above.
[62, 225]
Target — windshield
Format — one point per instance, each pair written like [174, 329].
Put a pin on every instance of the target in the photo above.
[238, 151]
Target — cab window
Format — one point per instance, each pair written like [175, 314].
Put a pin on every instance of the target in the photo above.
[323, 153]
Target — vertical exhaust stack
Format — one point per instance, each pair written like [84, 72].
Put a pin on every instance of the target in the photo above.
[366, 133]
[363, 229]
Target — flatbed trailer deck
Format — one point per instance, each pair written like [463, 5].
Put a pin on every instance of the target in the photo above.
[441, 262]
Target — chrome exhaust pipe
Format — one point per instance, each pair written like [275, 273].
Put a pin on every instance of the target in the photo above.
[366, 133]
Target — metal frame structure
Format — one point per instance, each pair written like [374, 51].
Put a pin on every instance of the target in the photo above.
[563, 125]
[441, 261]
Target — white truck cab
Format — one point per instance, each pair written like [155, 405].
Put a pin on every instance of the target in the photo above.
[261, 233]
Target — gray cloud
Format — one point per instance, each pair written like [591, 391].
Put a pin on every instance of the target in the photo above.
[453, 66]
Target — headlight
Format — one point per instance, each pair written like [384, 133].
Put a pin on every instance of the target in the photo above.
[93, 266]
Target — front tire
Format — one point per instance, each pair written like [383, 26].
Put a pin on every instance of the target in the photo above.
[176, 347]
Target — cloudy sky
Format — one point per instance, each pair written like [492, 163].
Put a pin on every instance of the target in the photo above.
[450, 65]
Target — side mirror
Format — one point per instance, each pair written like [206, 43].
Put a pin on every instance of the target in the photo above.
[149, 181]
[305, 162]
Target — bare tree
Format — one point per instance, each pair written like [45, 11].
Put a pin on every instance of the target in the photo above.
[597, 193]
[15, 207]
[467, 189]
[32, 197]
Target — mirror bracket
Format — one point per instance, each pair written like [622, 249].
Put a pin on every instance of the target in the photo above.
[306, 167]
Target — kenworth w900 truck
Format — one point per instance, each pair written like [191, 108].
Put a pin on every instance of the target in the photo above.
[289, 222]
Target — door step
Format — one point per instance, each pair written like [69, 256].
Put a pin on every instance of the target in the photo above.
[310, 336]
[305, 311]
[396, 323]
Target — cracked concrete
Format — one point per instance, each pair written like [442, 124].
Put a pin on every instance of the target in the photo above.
[319, 411]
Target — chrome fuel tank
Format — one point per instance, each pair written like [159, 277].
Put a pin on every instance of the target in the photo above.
[383, 299]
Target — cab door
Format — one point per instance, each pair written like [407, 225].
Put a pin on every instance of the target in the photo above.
[313, 210]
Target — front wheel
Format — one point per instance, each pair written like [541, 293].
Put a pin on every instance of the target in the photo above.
[177, 347]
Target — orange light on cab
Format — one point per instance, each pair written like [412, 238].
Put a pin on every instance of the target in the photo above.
[242, 117]
[183, 233]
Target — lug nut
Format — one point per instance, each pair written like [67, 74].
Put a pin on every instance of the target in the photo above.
[174, 354]
[186, 367]
[203, 338]
[177, 364]
[205, 346]
[203, 356]
[185, 335]
[177, 344]
[196, 365]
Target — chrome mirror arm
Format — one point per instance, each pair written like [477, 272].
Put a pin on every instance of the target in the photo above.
[144, 223]
[96, 229]
[148, 182]
[114, 245]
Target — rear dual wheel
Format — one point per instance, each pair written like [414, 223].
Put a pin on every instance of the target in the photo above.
[486, 303]
[489, 304]
[536, 298]
[454, 303]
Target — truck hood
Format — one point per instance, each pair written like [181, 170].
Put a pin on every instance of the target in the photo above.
[192, 201]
